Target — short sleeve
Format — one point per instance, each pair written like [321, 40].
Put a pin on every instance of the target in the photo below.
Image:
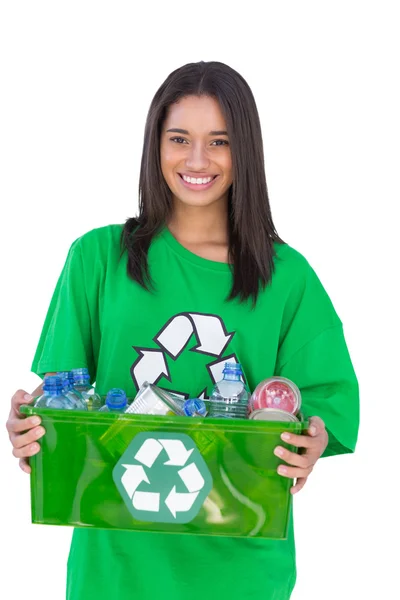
[313, 354]
[323, 371]
[66, 342]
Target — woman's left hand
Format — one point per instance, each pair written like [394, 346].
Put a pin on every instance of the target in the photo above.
[314, 443]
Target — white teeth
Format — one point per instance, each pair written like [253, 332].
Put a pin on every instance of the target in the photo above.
[198, 181]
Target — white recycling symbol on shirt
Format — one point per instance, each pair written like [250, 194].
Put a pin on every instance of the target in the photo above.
[212, 339]
[184, 469]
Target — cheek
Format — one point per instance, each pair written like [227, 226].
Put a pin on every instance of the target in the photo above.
[169, 159]
[225, 160]
[228, 168]
[166, 163]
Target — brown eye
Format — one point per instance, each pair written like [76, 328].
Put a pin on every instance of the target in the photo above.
[178, 140]
[222, 142]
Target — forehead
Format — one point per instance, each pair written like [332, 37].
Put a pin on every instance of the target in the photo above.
[197, 113]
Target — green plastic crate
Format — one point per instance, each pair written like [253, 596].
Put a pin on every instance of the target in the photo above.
[230, 486]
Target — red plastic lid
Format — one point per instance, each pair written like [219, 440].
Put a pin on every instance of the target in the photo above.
[276, 392]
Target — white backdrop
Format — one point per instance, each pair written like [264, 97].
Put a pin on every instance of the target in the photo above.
[76, 81]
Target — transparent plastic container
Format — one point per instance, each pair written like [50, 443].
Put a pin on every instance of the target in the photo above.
[276, 393]
[152, 400]
[55, 395]
[194, 407]
[66, 375]
[116, 401]
[229, 397]
[272, 414]
[72, 476]
[73, 395]
[82, 385]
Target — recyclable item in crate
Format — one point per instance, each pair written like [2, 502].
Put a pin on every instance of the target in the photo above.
[82, 385]
[194, 407]
[66, 375]
[68, 388]
[72, 476]
[116, 401]
[229, 397]
[272, 414]
[55, 395]
[278, 393]
[152, 400]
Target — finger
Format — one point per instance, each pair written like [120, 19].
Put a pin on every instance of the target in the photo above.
[17, 425]
[293, 472]
[300, 441]
[26, 451]
[292, 458]
[20, 440]
[23, 463]
[300, 483]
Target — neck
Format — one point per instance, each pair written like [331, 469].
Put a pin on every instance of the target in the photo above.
[198, 224]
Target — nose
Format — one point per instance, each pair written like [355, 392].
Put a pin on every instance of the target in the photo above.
[197, 159]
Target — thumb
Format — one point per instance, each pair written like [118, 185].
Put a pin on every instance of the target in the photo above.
[316, 426]
[20, 397]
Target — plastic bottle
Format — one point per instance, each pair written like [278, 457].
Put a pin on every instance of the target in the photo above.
[194, 407]
[83, 386]
[53, 395]
[116, 401]
[67, 374]
[229, 397]
[69, 391]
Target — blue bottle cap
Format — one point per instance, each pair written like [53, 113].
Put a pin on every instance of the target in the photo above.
[53, 384]
[233, 368]
[66, 380]
[52, 380]
[80, 375]
[82, 371]
[194, 406]
[116, 398]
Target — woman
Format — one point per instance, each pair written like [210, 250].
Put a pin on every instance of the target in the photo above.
[203, 253]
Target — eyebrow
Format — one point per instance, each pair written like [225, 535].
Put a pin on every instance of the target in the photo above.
[187, 133]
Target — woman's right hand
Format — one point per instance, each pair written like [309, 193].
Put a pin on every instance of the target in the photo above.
[23, 431]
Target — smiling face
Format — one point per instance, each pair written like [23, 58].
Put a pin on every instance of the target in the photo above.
[195, 154]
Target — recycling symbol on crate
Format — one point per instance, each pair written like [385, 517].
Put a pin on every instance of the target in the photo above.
[163, 478]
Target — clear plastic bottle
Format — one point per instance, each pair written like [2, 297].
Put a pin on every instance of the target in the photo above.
[229, 397]
[67, 374]
[116, 401]
[83, 386]
[53, 395]
[69, 391]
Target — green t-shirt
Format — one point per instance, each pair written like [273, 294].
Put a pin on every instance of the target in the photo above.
[179, 336]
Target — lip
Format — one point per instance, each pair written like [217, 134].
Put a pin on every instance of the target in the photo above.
[196, 186]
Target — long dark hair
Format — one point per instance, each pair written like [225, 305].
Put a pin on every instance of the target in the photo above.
[251, 229]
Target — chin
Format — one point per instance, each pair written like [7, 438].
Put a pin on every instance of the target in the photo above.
[198, 201]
